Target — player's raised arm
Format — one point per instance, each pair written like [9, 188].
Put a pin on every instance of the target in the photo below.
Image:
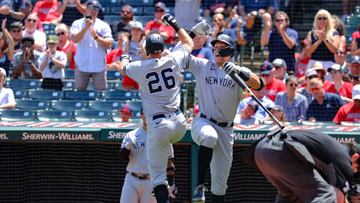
[183, 35]
[124, 60]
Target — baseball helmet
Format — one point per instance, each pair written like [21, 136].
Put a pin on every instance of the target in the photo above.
[154, 44]
[228, 51]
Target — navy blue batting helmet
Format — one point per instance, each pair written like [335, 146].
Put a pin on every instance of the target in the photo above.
[224, 38]
[154, 44]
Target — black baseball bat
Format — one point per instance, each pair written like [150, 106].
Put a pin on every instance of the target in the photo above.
[246, 88]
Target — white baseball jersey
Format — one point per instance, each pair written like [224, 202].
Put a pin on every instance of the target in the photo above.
[159, 81]
[218, 93]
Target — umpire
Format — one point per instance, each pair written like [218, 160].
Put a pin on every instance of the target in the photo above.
[304, 166]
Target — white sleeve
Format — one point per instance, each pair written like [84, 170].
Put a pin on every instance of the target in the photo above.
[181, 56]
[75, 28]
[131, 70]
[171, 151]
[42, 58]
[126, 142]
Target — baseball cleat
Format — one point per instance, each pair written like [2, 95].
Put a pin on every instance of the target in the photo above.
[199, 194]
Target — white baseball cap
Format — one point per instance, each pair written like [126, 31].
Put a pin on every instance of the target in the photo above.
[356, 92]
[136, 24]
[279, 63]
[2, 71]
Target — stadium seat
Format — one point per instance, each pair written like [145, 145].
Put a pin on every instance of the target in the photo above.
[148, 11]
[114, 85]
[113, 75]
[17, 115]
[32, 104]
[55, 115]
[69, 74]
[20, 84]
[188, 76]
[118, 95]
[68, 85]
[46, 94]
[81, 95]
[20, 94]
[69, 105]
[105, 105]
[49, 28]
[92, 116]
[139, 2]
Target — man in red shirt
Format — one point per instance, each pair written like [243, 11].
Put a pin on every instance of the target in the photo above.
[157, 25]
[47, 11]
[273, 85]
[350, 112]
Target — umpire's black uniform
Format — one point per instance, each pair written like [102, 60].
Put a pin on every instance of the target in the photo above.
[303, 165]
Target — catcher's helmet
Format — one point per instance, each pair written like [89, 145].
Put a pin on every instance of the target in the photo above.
[229, 51]
[154, 44]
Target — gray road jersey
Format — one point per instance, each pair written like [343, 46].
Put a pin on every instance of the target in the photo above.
[218, 94]
[159, 81]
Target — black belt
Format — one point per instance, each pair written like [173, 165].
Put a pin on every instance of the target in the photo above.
[177, 112]
[221, 124]
[141, 177]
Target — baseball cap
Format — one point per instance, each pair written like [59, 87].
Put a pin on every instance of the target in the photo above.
[276, 108]
[266, 68]
[2, 71]
[126, 109]
[355, 59]
[317, 66]
[254, 105]
[279, 63]
[93, 4]
[16, 24]
[160, 5]
[52, 39]
[310, 72]
[27, 39]
[356, 92]
[136, 24]
[335, 66]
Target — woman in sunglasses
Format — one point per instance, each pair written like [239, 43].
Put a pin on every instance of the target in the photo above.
[323, 40]
[294, 104]
[66, 45]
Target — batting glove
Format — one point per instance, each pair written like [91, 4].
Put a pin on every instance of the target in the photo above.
[201, 28]
[173, 190]
[170, 20]
[230, 68]
[125, 56]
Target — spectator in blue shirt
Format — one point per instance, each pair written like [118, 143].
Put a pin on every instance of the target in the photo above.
[325, 105]
[281, 40]
[294, 104]
[256, 5]
[200, 50]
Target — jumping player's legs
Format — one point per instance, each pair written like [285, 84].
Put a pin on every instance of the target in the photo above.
[145, 190]
[129, 193]
[221, 161]
[292, 178]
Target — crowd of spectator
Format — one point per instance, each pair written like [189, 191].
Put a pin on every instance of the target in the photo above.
[312, 79]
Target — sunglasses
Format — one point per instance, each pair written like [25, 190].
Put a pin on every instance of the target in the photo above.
[315, 88]
[333, 71]
[95, 8]
[280, 20]
[356, 77]
[322, 18]
[158, 11]
[313, 76]
[60, 33]
[31, 20]
[15, 30]
[125, 12]
[293, 85]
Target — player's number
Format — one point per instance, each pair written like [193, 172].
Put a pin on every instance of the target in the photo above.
[169, 80]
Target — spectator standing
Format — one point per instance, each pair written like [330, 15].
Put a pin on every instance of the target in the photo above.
[245, 34]
[350, 112]
[200, 50]
[16, 33]
[71, 10]
[294, 104]
[355, 43]
[256, 5]
[280, 69]
[47, 11]
[7, 99]
[52, 64]
[323, 40]
[26, 61]
[341, 52]
[12, 10]
[272, 85]
[192, 10]
[338, 86]
[66, 45]
[93, 38]
[32, 31]
[6, 47]
[219, 27]
[325, 105]
[281, 41]
[157, 25]
[127, 15]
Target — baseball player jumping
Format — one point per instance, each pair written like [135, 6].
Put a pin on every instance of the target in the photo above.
[159, 83]
[218, 96]
[137, 186]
